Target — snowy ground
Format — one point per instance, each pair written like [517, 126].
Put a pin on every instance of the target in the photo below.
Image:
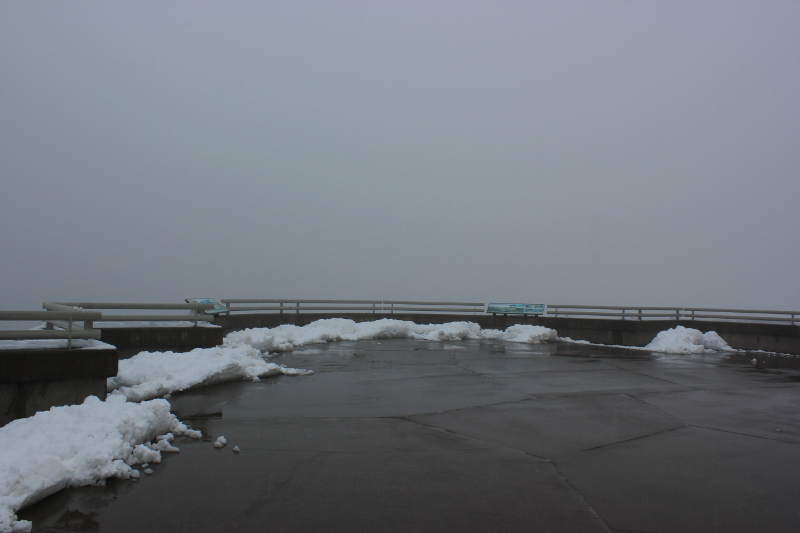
[83, 444]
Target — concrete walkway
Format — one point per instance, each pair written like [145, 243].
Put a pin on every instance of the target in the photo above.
[398, 435]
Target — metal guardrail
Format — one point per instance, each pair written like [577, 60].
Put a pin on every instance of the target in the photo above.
[674, 313]
[74, 324]
[350, 306]
[77, 320]
[196, 310]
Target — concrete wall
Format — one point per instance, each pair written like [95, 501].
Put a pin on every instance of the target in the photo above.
[746, 336]
[36, 380]
[162, 339]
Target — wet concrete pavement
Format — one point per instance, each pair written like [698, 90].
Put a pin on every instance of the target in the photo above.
[398, 435]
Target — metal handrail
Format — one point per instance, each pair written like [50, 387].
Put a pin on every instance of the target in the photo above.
[678, 313]
[118, 305]
[373, 306]
[197, 311]
[75, 324]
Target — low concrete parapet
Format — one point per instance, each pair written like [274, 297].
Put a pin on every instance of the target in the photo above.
[38, 379]
[781, 338]
[236, 322]
[162, 338]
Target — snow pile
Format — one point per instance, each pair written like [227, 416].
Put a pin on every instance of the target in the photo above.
[78, 445]
[681, 340]
[153, 374]
[522, 333]
[287, 337]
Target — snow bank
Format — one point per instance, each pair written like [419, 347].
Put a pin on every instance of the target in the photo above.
[287, 337]
[153, 374]
[78, 445]
[522, 333]
[681, 340]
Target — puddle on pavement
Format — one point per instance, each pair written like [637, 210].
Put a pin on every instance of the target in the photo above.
[785, 363]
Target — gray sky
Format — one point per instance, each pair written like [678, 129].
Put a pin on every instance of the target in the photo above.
[597, 152]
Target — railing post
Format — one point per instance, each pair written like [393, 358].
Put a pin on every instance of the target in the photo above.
[69, 332]
[640, 315]
[281, 311]
[677, 314]
[297, 312]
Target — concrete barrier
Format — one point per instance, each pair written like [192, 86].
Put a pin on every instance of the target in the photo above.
[781, 338]
[161, 338]
[36, 380]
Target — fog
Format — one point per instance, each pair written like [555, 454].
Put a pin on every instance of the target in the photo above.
[604, 153]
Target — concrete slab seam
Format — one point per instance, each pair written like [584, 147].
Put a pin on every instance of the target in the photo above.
[547, 460]
[746, 434]
[670, 415]
[579, 495]
[687, 424]
[530, 398]
[640, 437]
[475, 439]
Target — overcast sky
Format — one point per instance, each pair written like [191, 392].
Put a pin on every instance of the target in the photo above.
[587, 152]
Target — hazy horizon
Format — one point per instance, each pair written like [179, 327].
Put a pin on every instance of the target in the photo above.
[571, 152]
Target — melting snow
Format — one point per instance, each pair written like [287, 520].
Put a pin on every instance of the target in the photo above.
[681, 340]
[287, 337]
[154, 374]
[76, 445]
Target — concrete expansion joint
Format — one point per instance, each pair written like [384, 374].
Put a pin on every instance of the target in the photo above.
[579, 495]
[488, 444]
[762, 437]
[466, 408]
[665, 413]
[632, 439]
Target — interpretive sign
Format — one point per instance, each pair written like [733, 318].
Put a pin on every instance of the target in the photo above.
[217, 309]
[516, 309]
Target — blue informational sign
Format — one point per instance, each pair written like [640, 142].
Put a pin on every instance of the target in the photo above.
[217, 309]
[516, 309]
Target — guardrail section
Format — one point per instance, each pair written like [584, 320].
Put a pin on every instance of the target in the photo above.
[673, 313]
[349, 306]
[72, 324]
[741, 315]
[196, 311]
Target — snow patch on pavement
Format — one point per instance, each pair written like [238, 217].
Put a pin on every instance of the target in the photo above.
[153, 374]
[287, 337]
[75, 445]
